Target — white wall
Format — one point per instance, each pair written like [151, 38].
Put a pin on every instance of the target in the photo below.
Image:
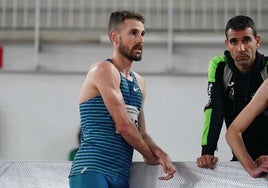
[39, 117]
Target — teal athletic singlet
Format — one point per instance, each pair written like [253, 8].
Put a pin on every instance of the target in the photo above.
[103, 151]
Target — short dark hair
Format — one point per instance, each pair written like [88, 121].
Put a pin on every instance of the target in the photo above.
[118, 17]
[239, 23]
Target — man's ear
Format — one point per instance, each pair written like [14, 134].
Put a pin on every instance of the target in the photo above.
[258, 41]
[226, 42]
[114, 36]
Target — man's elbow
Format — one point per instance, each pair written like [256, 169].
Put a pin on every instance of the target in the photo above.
[228, 134]
[232, 133]
[123, 128]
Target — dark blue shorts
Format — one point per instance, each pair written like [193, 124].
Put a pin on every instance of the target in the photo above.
[90, 179]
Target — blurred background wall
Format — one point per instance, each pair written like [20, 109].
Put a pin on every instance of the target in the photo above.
[48, 47]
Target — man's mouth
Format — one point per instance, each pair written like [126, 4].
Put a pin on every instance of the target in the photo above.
[242, 58]
[138, 49]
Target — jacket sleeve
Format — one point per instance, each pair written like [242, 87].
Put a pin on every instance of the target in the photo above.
[214, 110]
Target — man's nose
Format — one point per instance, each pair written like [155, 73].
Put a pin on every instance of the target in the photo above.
[241, 47]
[141, 39]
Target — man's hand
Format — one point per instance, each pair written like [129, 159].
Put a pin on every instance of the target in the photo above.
[259, 171]
[167, 166]
[261, 159]
[207, 161]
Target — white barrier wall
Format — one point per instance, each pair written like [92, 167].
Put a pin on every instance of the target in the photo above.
[51, 174]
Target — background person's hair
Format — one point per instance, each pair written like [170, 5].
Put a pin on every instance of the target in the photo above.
[239, 23]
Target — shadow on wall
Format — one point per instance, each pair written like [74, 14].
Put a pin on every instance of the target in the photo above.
[74, 150]
[3, 134]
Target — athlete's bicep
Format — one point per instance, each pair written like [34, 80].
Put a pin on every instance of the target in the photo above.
[108, 84]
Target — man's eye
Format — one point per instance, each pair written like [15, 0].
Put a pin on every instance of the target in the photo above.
[233, 41]
[246, 40]
[133, 32]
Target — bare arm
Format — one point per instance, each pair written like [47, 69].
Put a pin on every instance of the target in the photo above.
[240, 124]
[104, 79]
[163, 158]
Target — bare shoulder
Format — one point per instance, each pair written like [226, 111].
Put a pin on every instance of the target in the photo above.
[100, 75]
[139, 78]
[102, 66]
[263, 88]
[262, 91]
[265, 82]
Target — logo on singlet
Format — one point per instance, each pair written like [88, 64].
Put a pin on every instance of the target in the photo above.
[135, 88]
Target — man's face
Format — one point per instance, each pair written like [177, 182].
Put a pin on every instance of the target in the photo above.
[242, 46]
[131, 39]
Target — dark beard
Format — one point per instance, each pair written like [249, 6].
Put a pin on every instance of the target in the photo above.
[129, 53]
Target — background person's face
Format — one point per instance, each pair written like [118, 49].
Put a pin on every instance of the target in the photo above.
[242, 46]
